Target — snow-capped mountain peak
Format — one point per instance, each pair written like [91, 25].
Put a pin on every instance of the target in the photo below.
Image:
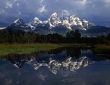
[54, 20]
[18, 21]
[81, 23]
[54, 24]
[19, 24]
[85, 23]
[1, 28]
[54, 15]
[66, 24]
[76, 21]
[70, 22]
[36, 21]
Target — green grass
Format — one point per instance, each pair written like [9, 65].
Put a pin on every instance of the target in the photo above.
[29, 48]
[102, 48]
[25, 48]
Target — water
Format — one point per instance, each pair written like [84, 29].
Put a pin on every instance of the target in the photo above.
[63, 66]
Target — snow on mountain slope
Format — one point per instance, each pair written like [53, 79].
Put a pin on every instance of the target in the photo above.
[54, 24]
[1, 28]
[36, 21]
[69, 22]
[54, 20]
[19, 24]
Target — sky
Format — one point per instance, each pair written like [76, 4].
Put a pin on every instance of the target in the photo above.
[95, 11]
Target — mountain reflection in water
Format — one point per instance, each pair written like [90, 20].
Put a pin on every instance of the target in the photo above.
[59, 65]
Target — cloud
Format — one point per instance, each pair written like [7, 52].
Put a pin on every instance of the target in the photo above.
[9, 5]
[65, 13]
[107, 3]
[2, 11]
[41, 1]
[42, 9]
[17, 4]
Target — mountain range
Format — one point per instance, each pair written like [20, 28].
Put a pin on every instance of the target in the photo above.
[56, 24]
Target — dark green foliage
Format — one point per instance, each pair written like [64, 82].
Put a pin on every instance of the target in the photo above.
[108, 37]
[19, 36]
[73, 36]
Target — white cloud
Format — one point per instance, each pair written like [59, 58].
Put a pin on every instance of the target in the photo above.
[42, 9]
[17, 4]
[107, 3]
[2, 11]
[82, 2]
[9, 5]
[65, 13]
[41, 1]
[19, 13]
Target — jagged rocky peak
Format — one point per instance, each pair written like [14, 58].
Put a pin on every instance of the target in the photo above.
[66, 23]
[36, 21]
[76, 21]
[54, 20]
[85, 23]
[19, 21]
[81, 23]
[19, 24]
[72, 20]
[54, 15]
[54, 24]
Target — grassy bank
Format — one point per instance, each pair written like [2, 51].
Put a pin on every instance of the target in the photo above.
[29, 48]
[25, 48]
[102, 48]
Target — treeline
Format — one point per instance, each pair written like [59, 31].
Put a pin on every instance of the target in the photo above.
[18, 36]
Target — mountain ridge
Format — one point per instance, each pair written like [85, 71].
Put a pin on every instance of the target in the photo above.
[54, 24]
